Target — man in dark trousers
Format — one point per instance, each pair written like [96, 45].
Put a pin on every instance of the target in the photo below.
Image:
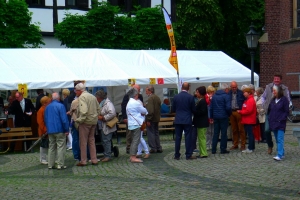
[152, 119]
[183, 105]
[22, 108]
[220, 110]
[41, 94]
[124, 115]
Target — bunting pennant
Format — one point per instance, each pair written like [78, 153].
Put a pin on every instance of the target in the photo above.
[173, 57]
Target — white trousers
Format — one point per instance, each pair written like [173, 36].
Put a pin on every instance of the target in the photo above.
[70, 140]
[142, 145]
[43, 154]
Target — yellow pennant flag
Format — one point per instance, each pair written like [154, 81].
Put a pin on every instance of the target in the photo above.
[173, 57]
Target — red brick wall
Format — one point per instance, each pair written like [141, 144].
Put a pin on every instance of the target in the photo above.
[279, 56]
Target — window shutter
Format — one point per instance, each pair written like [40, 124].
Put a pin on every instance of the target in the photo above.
[113, 2]
[83, 3]
[29, 2]
[145, 3]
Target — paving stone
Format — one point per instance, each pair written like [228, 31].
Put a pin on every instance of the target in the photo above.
[233, 176]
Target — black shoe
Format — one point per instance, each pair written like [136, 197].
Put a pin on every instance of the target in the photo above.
[213, 152]
[153, 151]
[201, 156]
[225, 152]
[127, 151]
[263, 141]
[159, 151]
[176, 158]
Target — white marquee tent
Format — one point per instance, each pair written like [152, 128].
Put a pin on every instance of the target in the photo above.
[58, 68]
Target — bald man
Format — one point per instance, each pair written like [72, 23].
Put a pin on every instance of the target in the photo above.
[238, 133]
[124, 116]
[184, 106]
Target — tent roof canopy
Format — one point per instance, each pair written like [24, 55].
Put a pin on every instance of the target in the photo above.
[58, 68]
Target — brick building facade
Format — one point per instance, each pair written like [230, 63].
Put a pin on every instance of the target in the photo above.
[281, 47]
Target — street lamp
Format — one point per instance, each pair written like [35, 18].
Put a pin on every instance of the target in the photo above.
[252, 40]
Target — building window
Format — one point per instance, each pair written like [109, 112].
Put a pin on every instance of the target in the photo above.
[35, 3]
[70, 2]
[298, 13]
[129, 5]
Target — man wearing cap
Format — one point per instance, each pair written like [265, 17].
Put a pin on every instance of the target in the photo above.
[88, 111]
[238, 132]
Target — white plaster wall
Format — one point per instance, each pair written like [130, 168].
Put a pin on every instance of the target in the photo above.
[51, 42]
[155, 3]
[44, 17]
[62, 13]
[48, 2]
[59, 2]
[167, 5]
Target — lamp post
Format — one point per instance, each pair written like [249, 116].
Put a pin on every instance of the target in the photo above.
[252, 40]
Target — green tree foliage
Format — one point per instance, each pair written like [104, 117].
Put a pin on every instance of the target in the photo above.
[15, 28]
[217, 24]
[102, 27]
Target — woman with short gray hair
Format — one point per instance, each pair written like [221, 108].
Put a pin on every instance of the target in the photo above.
[107, 113]
[135, 112]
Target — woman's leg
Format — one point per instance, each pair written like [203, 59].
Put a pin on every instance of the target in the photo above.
[202, 141]
[280, 143]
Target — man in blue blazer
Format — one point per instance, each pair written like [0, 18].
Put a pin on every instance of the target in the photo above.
[183, 105]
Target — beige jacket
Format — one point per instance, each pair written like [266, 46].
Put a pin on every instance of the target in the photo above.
[261, 113]
[88, 109]
[108, 112]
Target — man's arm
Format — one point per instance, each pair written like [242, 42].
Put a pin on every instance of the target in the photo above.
[150, 109]
[123, 105]
[83, 109]
[287, 94]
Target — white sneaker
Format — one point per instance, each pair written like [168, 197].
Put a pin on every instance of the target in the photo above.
[277, 158]
[70, 148]
[61, 167]
[44, 162]
[247, 151]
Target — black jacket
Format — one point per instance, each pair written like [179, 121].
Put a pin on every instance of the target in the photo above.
[200, 119]
[124, 104]
[21, 118]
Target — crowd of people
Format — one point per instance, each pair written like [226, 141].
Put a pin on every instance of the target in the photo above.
[71, 123]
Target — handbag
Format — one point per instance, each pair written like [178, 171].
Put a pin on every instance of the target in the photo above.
[112, 122]
[45, 143]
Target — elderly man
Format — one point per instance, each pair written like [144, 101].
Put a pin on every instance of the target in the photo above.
[266, 99]
[238, 133]
[124, 115]
[22, 108]
[57, 128]
[220, 110]
[183, 105]
[152, 120]
[87, 119]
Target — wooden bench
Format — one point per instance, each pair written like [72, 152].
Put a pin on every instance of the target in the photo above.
[8, 135]
[165, 124]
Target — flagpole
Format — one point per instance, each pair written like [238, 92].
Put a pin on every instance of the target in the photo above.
[173, 56]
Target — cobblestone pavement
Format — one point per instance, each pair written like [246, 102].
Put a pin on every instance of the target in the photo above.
[233, 176]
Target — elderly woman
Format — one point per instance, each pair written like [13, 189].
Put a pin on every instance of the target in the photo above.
[200, 121]
[135, 112]
[66, 93]
[42, 128]
[107, 113]
[278, 111]
[210, 91]
[248, 117]
[261, 113]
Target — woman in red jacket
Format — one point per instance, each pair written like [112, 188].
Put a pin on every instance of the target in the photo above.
[248, 114]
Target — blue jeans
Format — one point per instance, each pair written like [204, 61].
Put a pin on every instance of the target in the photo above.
[220, 125]
[279, 136]
[75, 144]
[106, 142]
[187, 128]
[249, 131]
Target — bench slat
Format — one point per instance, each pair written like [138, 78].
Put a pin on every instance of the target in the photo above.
[20, 139]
